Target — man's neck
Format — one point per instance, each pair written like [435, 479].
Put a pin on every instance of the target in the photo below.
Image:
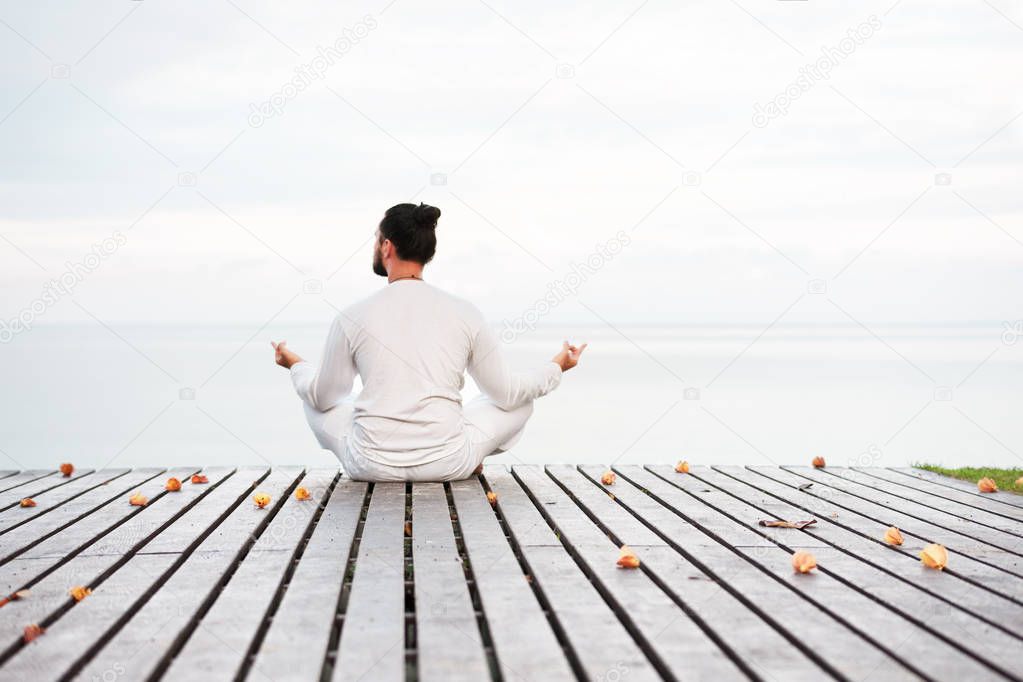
[405, 270]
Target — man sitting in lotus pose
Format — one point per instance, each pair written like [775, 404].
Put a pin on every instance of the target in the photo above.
[411, 343]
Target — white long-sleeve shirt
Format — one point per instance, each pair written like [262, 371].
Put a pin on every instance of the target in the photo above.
[411, 344]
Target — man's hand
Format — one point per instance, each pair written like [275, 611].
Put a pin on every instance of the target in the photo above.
[284, 357]
[569, 356]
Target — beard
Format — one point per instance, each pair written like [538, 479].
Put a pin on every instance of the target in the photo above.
[378, 263]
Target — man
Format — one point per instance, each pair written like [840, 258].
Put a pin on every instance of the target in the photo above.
[411, 344]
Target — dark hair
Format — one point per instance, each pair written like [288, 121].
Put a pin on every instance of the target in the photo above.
[411, 229]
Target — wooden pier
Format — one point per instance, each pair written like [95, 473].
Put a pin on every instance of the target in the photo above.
[441, 582]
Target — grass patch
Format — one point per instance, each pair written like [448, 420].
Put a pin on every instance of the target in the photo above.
[1005, 478]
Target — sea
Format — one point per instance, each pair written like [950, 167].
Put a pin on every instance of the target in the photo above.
[108, 395]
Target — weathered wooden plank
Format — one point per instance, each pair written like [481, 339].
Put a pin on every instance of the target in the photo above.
[40, 527]
[994, 538]
[867, 544]
[449, 644]
[957, 484]
[10, 499]
[50, 656]
[601, 643]
[143, 524]
[871, 520]
[946, 504]
[810, 635]
[217, 647]
[736, 632]
[940, 494]
[56, 498]
[62, 566]
[21, 478]
[143, 644]
[183, 532]
[122, 548]
[525, 644]
[372, 642]
[968, 635]
[296, 643]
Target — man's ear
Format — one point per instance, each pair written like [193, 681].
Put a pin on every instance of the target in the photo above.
[386, 249]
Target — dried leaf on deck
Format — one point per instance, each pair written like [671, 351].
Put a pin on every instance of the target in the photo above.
[682, 467]
[987, 485]
[199, 478]
[781, 523]
[804, 562]
[173, 485]
[628, 558]
[893, 536]
[492, 497]
[408, 529]
[31, 632]
[934, 556]
[78, 593]
[67, 468]
[608, 478]
[261, 499]
[138, 500]
[20, 594]
[302, 493]
[28, 502]
[806, 486]
[818, 462]
[1019, 482]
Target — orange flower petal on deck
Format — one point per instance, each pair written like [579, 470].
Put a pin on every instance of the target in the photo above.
[934, 556]
[67, 468]
[302, 494]
[818, 462]
[608, 478]
[987, 485]
[31, 632]
[79, 592]
[628, 558]
[199, 478]
[28, 502]
[492, 497]
[173, 485]
[893, 536]
[803, 562]
[682, 467]
[261, 500]
[138, 500]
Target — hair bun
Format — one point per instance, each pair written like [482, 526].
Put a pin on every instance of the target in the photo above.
[426, 216]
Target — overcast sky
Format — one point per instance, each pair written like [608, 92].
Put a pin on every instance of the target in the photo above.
[543, 131]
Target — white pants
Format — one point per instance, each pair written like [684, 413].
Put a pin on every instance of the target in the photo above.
[489, 430]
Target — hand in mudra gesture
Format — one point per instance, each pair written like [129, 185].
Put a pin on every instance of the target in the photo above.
[568, 356]
[283, 356]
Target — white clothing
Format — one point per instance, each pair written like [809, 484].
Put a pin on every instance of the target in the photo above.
[411, 344]
[489, 430]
